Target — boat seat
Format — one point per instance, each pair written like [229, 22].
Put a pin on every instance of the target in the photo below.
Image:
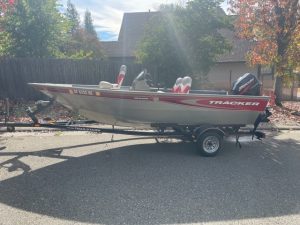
[186, 84]
[108, 85]
[118, 84]
[182, 85]
[177, 86]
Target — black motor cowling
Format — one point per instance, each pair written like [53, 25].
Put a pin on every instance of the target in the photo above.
[248, 84]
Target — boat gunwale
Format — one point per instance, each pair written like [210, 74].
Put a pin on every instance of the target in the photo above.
[44, 86]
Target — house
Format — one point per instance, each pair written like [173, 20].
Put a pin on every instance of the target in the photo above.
[227, 69]
[131, 32]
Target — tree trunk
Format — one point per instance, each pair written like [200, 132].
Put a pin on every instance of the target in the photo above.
[259, 72]
[278, 90]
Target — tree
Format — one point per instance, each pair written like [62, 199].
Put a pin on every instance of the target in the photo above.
[159, 48]
[83, 45]
[88, 23]
[5, 41]
[6, 5]
[201, 23]
[274, 28]
[73, 17]
[34, 28]
[187, 39]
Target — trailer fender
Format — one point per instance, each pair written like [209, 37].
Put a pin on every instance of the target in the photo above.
[203, 129]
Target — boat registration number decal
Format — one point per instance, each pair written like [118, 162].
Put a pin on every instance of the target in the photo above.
[83, 92]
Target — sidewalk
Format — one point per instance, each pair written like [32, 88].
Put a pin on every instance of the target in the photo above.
[271, 126]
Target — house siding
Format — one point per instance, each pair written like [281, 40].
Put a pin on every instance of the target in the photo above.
[223, 74]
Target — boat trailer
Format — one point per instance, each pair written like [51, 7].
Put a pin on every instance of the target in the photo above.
[208, 138]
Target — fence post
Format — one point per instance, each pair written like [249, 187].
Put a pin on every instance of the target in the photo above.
[6, 110]
[292, 90]
[230, 79]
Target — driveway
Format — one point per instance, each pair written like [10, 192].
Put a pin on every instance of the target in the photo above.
[82, 178]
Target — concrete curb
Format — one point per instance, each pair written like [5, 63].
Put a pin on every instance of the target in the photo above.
[279, 128]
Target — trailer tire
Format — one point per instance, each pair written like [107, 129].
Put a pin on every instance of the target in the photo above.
[209, 143]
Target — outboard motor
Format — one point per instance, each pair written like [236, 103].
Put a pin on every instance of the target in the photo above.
[248, 84]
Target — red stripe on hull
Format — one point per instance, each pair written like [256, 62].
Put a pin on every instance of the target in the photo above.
[229, 103]
[222, 102]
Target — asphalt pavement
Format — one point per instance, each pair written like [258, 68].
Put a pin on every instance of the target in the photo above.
[83, 178]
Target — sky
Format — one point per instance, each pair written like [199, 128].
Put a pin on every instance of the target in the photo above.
[107, 14]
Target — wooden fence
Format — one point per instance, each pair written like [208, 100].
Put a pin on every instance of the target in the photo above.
[16, 73]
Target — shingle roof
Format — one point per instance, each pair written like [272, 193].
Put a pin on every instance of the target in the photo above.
[239, 48]
[132, 30]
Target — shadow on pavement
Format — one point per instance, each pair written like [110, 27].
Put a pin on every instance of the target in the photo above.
[164, 184]
[14, 163]
[2, 147]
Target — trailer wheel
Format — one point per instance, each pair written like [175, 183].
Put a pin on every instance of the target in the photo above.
[209, 143]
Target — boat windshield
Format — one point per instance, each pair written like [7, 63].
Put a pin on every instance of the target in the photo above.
[143, 81]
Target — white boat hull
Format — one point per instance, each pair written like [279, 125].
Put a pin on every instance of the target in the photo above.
[136, 108]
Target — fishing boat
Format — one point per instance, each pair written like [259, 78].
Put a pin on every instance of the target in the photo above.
[140, 105]
[203, 115]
